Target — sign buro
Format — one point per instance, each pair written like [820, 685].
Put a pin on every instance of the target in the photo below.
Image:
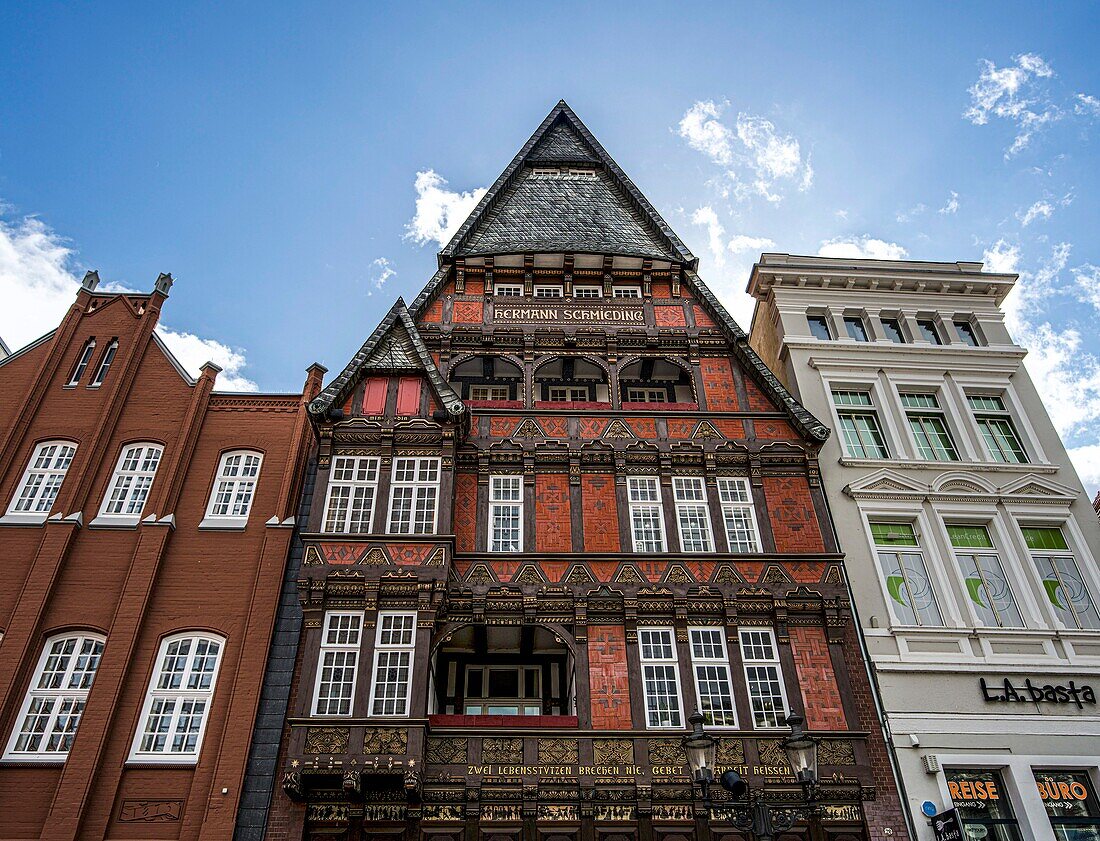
[947, 826]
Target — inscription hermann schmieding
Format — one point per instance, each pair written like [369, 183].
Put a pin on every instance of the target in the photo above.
[571, 314]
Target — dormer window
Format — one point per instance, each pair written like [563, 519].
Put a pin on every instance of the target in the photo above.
[105, 364]
[83, 362]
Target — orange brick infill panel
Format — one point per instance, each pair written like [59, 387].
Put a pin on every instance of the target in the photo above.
[434, 315]
[553, 513]
[757, 401]
[555, 427]
[669, 315]
[792, 514]
[600, 513]
[718, 384]
[816, 679]
[766, 428]
[465, 512]
[502, 427]
[467, 312]
[701, 317]
[608, 677]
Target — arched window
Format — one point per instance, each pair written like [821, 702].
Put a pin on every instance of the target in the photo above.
[234, 488]
[177, 705]
[56, 697]
[130, 484]
[488, 378]
[654, 381]
[37, 492]
[571, 379]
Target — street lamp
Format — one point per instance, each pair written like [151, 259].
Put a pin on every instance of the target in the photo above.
[759, 818]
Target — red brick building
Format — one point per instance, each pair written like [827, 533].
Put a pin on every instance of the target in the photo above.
[559, 504]
[145, 528]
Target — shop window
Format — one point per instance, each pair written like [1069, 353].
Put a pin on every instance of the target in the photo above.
[713, 684]
[393, 652]
[1069, 798]
[859, 424]
[1063, 583]
[336, 666]
[929, 427]
[352, 487]
[763, 678]
[996, 427]
[42, 480]
[692, 514]
[982, 804]
[908, 587]
[987, 585]
[505, 513]
[55, 699]
[738, 514]
[647, 525]
[660, 677]
[414, 493]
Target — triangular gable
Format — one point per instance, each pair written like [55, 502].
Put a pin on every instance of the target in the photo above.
[887, 481]
[394, 346]
[1038, 486]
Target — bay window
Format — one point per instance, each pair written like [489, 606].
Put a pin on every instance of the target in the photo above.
[336, 665]
[394, 647]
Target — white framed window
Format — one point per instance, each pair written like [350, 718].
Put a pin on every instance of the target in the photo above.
[334, 690]
[1063, 584]
[587, 291]
[859, 424]
[909, 589]
[505, 513]
[508, 290]
[567, 393]
[177, 705]
[626, 292]
[503, 690]
[692, 514]
[647, 525]
[635, 394]
[234, 488]
[55, 699]
[987, 586]
[713, 683]
[104, 364]
[929, 427]
[998, 431]
[42, 480]
[352, 488]
[547, 291]
[132, 479]
[738, 514]
[763, 677]
[489, 392]
[82, 362]
[394, 647]
[414, 494]
[660, 678]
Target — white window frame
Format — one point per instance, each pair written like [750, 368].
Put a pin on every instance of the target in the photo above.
[980, 414]
[507, 290]
[347, 648]
[474, 386]
[964, 556]
[179, 695]
[774, 663]
[672, 662]
[59, 695]
[581, 291]
[642, 394]
[571, 392]
[548, 290]
[104, 364]
[337, 484]
[633, 483]
[682, 486]
[1040, 556]
[141, 480]
[233, 488]
[481, 705]
[82, 363]
[418, 487]
[47, 468]
[735, 497]
[868, 410]
[718, 662]
[934, 578]
[388, 647]
[497, 506]
[632, 292]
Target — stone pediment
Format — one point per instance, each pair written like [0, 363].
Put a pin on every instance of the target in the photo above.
[886, 482]
[1032, 487]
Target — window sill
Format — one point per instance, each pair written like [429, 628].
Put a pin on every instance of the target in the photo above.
[33, 761]
[923, 464]
[153, 762]
[108, 522]
[659, 407]
[23, 519]
[570, 404]
[223, 524]
[455, 720]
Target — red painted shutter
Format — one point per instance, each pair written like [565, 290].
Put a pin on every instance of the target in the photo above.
[374, 396]
[408, 396]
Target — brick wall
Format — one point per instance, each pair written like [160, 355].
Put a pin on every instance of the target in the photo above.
[718, 385]
[552, 513]
[792, 515]
[465, 512]
[816, 680]
[669, 315]
[608, 678]
[467, 312]
[600, 513]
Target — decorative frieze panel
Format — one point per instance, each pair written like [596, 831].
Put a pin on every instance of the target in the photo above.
[504, 751]
[447, 751]
[383, 741]
[331, 740]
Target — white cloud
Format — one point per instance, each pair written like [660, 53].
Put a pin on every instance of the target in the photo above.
[742, 243]
[38, 284]
[1086, 105]
[381, 270]
[904, 216]
[1001, 257]
[1086, 459]
[841, 214]
[757, 159]
[707, 218]
[862, 247]
[1042, 209]
[439, 211]
[952, 205]
[1087, 278]
[1014, 93]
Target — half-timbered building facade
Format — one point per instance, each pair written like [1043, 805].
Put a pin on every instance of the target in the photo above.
[558, 504]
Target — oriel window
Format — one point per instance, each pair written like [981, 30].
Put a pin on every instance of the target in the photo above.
[393, 654]
[353, 485]
[336, 666]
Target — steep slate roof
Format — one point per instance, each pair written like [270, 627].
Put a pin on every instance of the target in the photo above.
[605, 215]
[394, 346]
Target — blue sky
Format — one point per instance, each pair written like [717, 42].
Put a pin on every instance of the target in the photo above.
[294, 166]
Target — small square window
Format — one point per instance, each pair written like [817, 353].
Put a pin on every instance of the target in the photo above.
[547, 291]
[626, 292]
[587, 292]
[508, 290]
[819, 327]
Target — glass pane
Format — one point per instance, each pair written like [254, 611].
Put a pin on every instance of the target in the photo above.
[856, 329]
[892, 329]
[983, 805]
[963, 537]
[819, 327]
[893, 534]
[1045, 538]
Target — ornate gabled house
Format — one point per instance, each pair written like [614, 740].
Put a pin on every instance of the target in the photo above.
[145, 521]
[558, 504]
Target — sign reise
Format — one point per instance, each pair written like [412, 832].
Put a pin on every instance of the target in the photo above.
[574, 313]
